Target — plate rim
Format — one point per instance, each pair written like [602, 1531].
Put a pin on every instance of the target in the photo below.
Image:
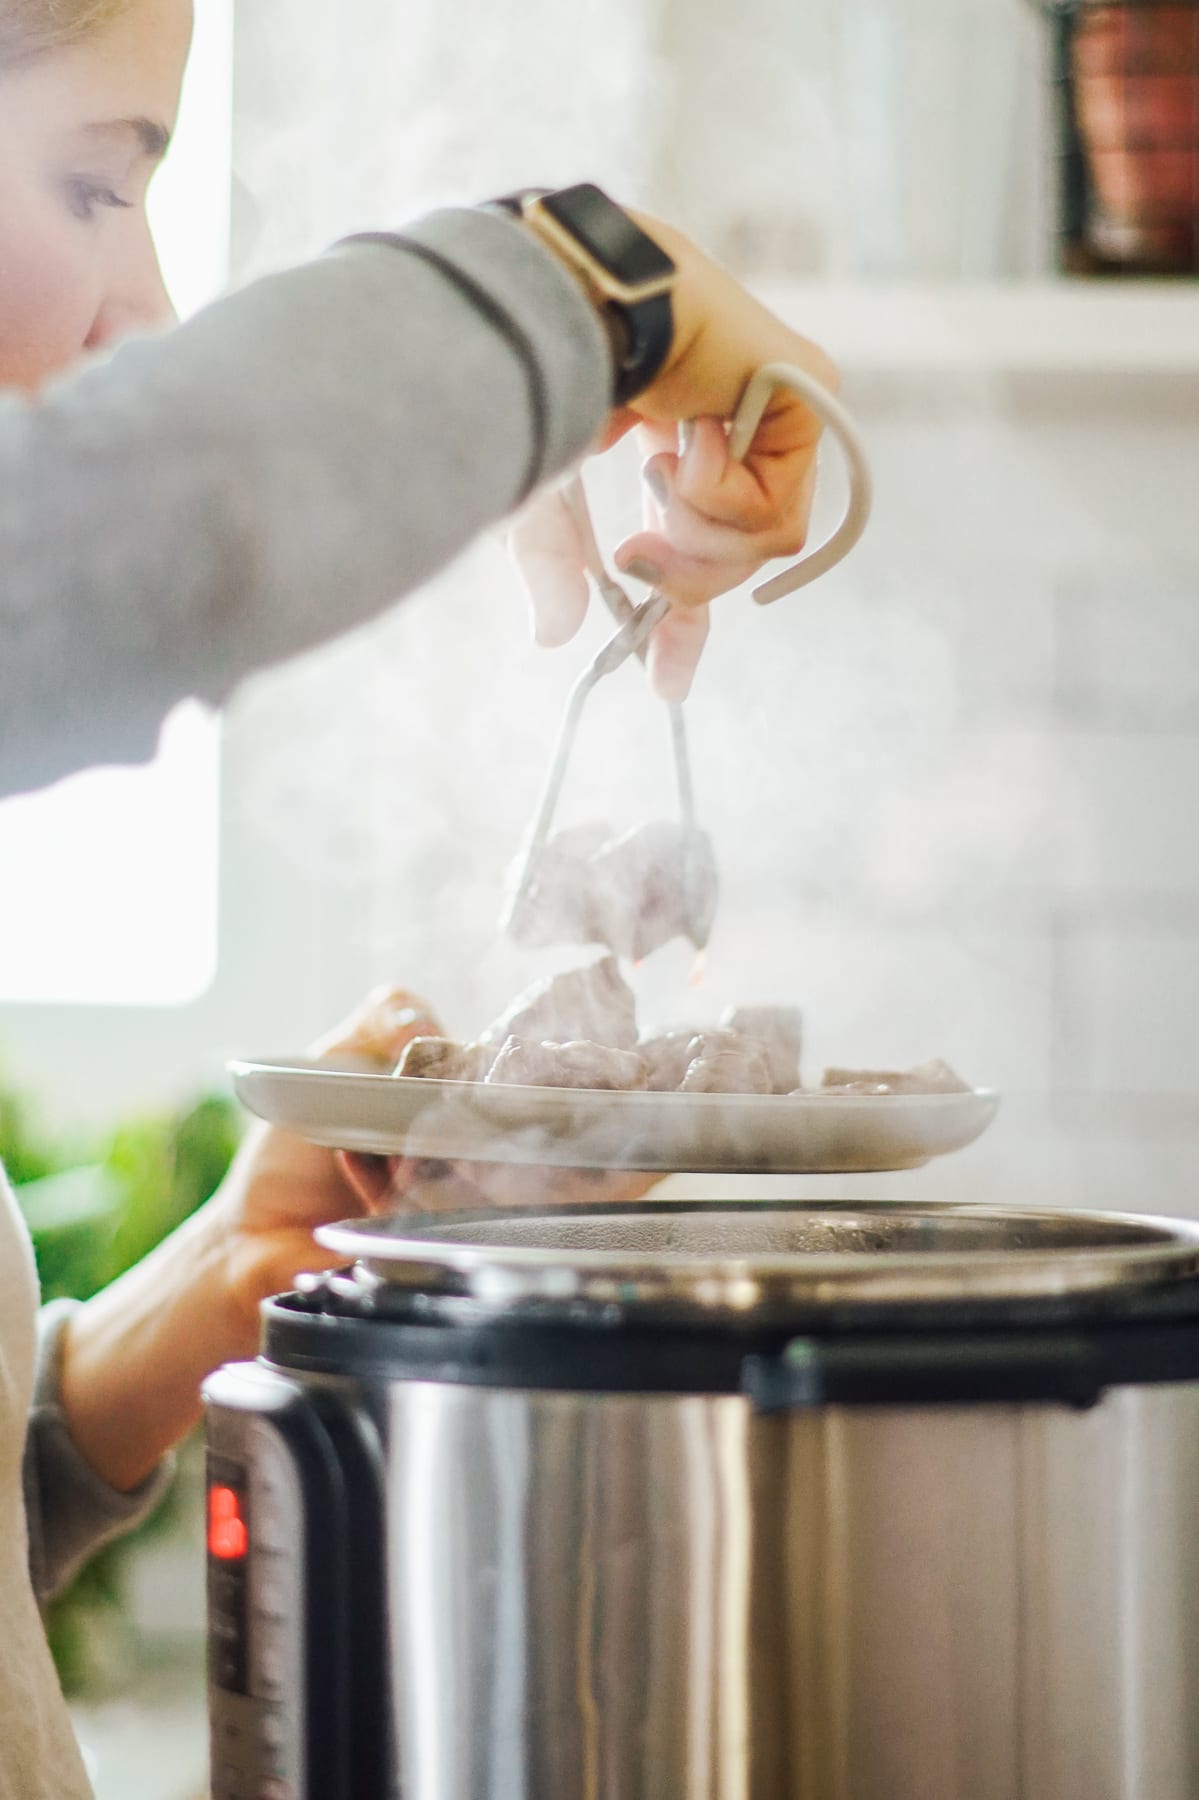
[242, 1067]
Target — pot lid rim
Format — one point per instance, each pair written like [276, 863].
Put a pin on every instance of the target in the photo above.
[1125, 1251]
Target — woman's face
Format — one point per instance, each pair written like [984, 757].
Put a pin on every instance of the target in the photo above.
[82, 130]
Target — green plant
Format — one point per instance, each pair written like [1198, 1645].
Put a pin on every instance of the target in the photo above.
[93, 1210]
[26, 1152]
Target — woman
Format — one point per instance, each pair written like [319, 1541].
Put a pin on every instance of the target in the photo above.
[213, 498]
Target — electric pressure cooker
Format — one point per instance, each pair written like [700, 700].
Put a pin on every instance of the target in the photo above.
[724, 1502]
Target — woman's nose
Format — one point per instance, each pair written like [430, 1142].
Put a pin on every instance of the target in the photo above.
[136, 300]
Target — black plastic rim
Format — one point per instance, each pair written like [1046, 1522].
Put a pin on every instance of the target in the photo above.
[1044, 1353]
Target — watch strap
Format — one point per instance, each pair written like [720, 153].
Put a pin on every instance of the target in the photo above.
[640, 328]
[649, 329]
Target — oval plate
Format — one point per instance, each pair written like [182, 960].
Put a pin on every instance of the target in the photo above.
[584, 1128]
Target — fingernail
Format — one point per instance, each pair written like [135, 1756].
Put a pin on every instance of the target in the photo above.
[655, 481]
[642, 569]
[686, 434]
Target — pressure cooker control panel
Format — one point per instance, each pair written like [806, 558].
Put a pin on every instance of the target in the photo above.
[256, 1612]
[283, 1627]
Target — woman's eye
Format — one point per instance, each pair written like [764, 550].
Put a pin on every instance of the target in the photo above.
[83, 197]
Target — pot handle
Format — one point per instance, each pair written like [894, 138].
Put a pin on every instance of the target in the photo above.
[951, 1370]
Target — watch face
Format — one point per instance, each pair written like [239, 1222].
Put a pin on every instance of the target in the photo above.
[607, 232]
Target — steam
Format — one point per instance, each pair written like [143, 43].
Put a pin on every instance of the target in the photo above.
[862, 761]
[390, 111]
[861, 831]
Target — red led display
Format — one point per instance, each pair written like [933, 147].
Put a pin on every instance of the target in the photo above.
[227, 1535]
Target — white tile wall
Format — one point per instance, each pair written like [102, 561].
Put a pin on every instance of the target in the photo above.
[1127, 1012]
[1129, 826]
[950, 787]
[883, 140]
[1128, 647]
[950, 819]
[951, 790]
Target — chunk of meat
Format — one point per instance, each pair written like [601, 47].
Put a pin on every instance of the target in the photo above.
[655, 883]
[559, 907]
[779, 1032]
[594, 1004]
[724, 1062]
[441, 1059]
[633, 892]
[935, 1077]
[523, 1063]
[666, 1058]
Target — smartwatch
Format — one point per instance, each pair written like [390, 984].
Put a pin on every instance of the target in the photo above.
[627, 276]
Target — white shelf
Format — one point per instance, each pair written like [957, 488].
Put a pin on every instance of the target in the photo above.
[1051, 327]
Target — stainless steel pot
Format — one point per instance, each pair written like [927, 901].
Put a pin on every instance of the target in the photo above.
[826, 1502]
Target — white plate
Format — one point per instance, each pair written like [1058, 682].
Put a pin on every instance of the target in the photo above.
[790, 1134]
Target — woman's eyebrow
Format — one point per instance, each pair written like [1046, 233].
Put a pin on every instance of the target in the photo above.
[152, 139]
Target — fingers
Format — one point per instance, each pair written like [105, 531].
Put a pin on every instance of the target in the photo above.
[370, 1179]
[713, 522]
[378, 1030]
[674, 651]
[522, 1187]
[418, 1184]
[392, 1184]
[425, 1184]
[397, 1184]
[619, 1187]
[544, 544]
[710, 524]
[762, 494]
[715, 561]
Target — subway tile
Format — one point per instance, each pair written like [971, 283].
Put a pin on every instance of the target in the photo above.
[1125, 1019]
[1127, 647]
[908, 825]
[989, 821]
[1125, 1162]
[1130, 825]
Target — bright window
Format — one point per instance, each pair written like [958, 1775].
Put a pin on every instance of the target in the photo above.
[109, 893]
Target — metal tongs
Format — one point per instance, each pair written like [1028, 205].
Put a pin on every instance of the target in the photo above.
[636, 623]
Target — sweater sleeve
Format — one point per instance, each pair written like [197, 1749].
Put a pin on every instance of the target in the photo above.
[70, 1510]
[273, 472]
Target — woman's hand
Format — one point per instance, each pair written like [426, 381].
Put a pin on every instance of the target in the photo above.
[411, 1184]
[709, 522]
[134, 1356]
[280, 1188]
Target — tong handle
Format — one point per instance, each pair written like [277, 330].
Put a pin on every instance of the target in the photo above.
[830, 412]
[813, 563]
[629, 639]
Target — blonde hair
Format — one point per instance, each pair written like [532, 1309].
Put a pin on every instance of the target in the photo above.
[30, 26]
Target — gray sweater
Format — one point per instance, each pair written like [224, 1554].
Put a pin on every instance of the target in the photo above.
[275, 471]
